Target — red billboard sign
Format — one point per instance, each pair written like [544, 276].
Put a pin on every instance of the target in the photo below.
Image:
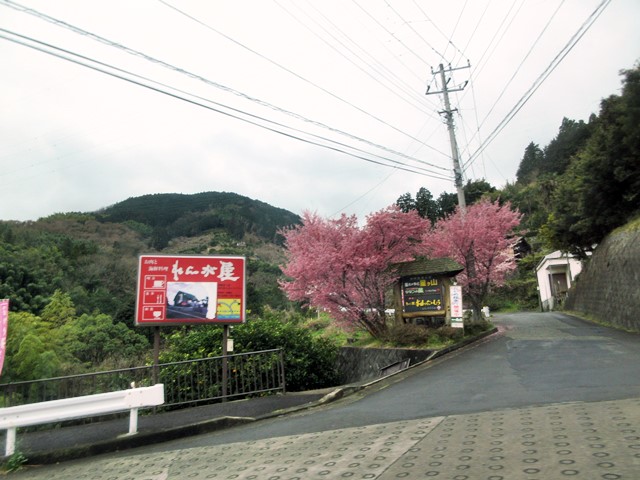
[179, 290]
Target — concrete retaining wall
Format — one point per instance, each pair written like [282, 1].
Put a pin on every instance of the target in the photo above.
[609, 286]
[363, 364]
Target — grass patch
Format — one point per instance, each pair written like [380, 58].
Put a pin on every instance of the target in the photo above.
[631, 226]
[13, 463]
[593, 319]
[398, 336]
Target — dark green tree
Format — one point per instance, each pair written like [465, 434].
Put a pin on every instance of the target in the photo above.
[406, 203]
[477, 189]
[600, 190]
[531, 163]
[94, 339]
[447, 203]
[571, 137]
[425, 204]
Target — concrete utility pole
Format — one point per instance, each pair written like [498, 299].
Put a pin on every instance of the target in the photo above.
[448, 112]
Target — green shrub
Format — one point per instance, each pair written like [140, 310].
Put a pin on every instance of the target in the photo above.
[448, 333]
[309, 360]
[477, 327]
[407, 335]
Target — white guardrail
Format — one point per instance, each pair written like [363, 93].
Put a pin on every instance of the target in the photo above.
[78, 407]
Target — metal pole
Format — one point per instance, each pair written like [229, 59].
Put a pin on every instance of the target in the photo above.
[225, 363]
[156, 353]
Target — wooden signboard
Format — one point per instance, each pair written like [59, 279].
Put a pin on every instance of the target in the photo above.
[422, 293]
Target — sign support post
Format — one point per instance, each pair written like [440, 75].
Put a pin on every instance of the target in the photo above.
[225, 361]
[156, 353]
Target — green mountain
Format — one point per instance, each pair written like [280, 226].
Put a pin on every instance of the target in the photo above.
[93, 256]
[171, 215]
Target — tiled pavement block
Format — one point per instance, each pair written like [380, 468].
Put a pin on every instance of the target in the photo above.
[362, 452]
[599, 440]
[350, 453]
[579, 440]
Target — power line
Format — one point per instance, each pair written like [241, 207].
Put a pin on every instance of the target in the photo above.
[398, 82]
[366, 12]
[449, 41]
[232, 112]
[476, 72]
[212, 83]
[517, 70]
[408, 24]
[301, 77]
[455, 27]
[540, 80]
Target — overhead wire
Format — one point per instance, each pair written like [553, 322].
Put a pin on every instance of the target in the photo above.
[575, 38]
[390, 33]
[478, 23]
[300, 77]
[231, 112]
[453, 32]
[448, 38]
[387, 73]
[479, 64]
[408, 24]
[207, 81]
[400, 60]
[517, 69]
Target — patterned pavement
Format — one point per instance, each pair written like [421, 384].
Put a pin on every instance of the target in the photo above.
[598, 440]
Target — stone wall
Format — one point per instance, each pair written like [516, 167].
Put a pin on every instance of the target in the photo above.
[609, 286]
[364, 364]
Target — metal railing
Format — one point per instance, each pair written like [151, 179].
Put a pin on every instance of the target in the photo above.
[188, 382]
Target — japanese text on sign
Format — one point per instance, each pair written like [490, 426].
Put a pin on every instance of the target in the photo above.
[422, 293]
[177, 290]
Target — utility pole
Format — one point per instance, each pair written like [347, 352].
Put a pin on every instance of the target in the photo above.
[448, 113]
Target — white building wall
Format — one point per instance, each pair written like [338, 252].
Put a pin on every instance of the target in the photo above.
[555, 262]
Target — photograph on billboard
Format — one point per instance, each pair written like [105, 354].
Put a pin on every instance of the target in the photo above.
[177, 290]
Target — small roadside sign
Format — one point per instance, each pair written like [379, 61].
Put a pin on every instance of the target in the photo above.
[455, 293]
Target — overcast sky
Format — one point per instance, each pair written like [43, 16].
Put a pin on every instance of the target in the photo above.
[294, 103]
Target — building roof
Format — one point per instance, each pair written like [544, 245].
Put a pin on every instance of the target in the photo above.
[556, 258]
[429, 266]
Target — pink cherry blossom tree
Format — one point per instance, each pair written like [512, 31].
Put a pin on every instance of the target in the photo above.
[344, 268]
[477, 239]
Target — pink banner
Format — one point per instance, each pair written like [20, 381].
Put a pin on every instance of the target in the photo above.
[4, 324]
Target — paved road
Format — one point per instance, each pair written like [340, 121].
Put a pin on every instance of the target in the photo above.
[548, 397]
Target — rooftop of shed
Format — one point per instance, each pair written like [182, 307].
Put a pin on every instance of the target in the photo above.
[429, 266]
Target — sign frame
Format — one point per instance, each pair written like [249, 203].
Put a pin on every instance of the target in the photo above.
[422, 294]
[457, 312]
[183, 289]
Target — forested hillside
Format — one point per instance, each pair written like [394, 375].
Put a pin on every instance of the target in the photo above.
[167, 216]
[572, 192]
[93, 256]
[586, 181]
